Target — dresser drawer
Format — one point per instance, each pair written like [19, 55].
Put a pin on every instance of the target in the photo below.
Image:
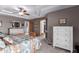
[66, 46]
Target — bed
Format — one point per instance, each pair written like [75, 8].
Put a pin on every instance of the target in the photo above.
[19, 44]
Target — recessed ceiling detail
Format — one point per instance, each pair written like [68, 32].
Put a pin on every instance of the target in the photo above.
[30, 11]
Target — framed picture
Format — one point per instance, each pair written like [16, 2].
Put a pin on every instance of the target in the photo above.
[0, 23]
[62, 21]
[16, 24]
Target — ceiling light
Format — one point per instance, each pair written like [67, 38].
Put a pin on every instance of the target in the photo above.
[21, 13]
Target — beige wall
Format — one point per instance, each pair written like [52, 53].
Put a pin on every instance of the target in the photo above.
[6, 22]
[72, 16]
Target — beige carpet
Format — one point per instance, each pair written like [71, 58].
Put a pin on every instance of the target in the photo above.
[45, 48]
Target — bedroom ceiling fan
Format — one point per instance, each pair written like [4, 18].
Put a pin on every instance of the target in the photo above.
[22, 11]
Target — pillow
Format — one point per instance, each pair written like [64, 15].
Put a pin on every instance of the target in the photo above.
[2, 34]
[8, 40]
[2, 44]
[17, 39]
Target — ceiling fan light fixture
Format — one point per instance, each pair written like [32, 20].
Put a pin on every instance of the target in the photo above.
[21, 14]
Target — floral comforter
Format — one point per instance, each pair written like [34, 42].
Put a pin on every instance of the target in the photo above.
[21, 44]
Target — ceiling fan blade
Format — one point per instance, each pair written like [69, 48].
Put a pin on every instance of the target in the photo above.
[27, 14]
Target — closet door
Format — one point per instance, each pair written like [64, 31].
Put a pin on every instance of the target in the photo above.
[30, 26]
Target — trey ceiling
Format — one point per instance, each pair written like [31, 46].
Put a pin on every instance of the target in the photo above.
[35, 11]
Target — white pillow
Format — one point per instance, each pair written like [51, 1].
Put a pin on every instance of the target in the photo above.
[2, 44]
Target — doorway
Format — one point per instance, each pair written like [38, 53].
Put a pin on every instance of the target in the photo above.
[43, 27]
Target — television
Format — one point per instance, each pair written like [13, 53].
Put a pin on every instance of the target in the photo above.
[16, 24]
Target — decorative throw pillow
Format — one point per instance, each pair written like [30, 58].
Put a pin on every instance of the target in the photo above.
[8, 40]
[2, 34]
[2, 44]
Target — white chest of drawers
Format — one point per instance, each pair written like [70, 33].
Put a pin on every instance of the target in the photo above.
[16, 31]
[63, 37]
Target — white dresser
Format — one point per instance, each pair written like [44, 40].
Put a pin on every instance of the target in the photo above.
[63, 37]
[15, 31]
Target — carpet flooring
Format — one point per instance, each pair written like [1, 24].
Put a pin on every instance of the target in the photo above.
[45, 48]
